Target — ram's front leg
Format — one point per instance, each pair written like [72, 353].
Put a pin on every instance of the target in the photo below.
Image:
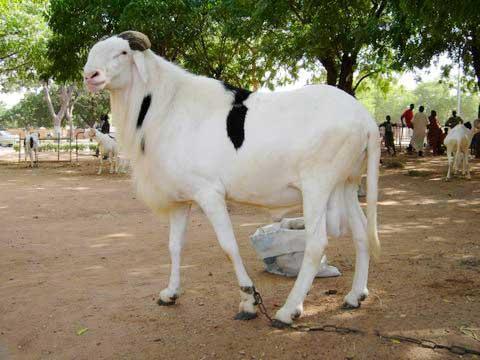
[101, 164]
[214, 207]
[110, 159]
[178, 227]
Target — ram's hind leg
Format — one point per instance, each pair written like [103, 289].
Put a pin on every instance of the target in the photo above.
[450, 162]
[315, 192]
[358, 225]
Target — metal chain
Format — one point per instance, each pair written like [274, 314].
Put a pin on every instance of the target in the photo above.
[428, 344]
[327, 328]
[261, 306]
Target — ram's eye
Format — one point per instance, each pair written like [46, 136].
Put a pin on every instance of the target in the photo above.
[124, 53]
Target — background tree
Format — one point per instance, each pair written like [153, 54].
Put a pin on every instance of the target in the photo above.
[441, 27]
[24, 36]
[350, 39]
[32, 110]
[200, 35]
[434, 95]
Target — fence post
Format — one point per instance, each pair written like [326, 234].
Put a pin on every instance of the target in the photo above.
[58, 146]
[20, 150]
[76, 148]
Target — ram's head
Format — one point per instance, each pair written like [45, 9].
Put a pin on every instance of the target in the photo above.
[111, 61]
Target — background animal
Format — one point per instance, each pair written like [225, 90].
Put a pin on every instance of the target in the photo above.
[108, 148]
[31, 144]
[457, 143]
[195, 139]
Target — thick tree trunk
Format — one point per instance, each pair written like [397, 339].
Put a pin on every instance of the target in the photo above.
[344, 79]
[331, 69]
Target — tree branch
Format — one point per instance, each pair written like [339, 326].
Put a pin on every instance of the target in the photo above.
[48, 100]
[363, 78]
[296, 11]
[8, 56]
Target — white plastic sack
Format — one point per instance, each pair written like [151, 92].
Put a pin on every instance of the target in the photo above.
[281, 247]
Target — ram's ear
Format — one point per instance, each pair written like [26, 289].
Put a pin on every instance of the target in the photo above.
[139, 60]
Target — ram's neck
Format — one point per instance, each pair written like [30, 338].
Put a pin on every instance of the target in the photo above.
[126, 103]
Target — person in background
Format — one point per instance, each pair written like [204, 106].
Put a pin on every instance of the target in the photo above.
[435, 134]
[475, 146]
[388, 137]
[453, 120]
[419, 123]
[407, 115]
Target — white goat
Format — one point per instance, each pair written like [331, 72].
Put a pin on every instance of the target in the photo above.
[31, 144]
[107, 146]
[195, 139]
[458, 143]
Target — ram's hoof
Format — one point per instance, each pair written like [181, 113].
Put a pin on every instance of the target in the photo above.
[296, 314]
[243, 315]
[347, 306]
[362, 297]
[279, 324]
[166, 303]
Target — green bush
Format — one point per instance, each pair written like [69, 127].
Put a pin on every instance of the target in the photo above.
[45, 147]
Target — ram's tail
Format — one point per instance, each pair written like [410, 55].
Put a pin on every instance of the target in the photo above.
[373, 160]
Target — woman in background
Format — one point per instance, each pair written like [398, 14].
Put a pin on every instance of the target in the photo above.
[435, 134]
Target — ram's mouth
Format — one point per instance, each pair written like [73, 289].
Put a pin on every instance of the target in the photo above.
[95, 86]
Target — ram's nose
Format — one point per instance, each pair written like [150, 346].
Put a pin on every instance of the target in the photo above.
[94, 80]
[89, 76]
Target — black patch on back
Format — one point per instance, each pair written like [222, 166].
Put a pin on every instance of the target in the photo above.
[236, 116]
[31, 142]
[468, 125]
[143, 110]
[142, 145]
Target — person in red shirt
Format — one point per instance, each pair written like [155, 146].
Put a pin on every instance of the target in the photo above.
[408, 116]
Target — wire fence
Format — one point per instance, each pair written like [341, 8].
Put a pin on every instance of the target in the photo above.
[62, 146]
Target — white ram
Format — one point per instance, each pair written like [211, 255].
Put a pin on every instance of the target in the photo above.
[195, 139]
[31, 144]
[107, 147]
[458, 143]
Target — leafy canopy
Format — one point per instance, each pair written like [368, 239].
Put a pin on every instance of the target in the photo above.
[24, 36]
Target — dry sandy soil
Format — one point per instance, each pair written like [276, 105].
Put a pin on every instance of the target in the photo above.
[82, 261]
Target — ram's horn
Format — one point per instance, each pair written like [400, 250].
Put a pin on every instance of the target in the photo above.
[136, 40]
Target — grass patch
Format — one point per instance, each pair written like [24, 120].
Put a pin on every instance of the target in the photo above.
[470, 262]
[393, 164]
[418, 173]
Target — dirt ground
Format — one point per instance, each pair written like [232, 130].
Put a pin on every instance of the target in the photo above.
[82, 262]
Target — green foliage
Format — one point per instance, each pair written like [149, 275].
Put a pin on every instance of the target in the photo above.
[434, 95]
[350, 39]
[441, 26]
[23, 43]
[32, 110]
[53, 147]
[201, 35]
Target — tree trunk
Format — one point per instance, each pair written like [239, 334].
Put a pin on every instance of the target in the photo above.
[65, 97]
[475, 50]
[331, 69]
[345, 81]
